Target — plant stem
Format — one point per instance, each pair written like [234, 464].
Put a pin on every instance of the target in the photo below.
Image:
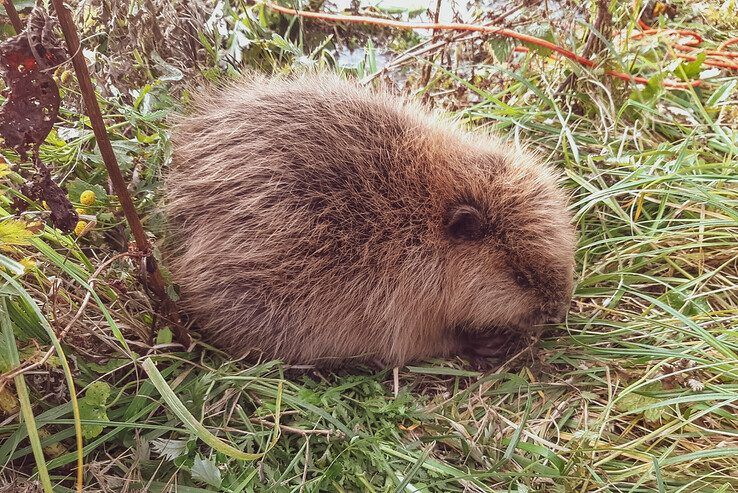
[15, 19]
[154, 279]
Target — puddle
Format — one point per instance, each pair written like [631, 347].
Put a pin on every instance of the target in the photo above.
[353, 58]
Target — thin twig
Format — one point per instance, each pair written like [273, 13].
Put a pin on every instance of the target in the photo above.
[424, 46]
[445, 26]
[69, 59]
[289, 429]
[425, 77]
[593, 43]
[18, 371]
[305, 467]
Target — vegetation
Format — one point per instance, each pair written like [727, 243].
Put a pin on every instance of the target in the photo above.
[637, 391]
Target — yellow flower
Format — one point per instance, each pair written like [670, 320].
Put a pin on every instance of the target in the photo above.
[87, 197]
[65, 76]
[80, 210]
[80, 227]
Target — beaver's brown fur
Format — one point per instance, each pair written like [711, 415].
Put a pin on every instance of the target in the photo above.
[318, 221]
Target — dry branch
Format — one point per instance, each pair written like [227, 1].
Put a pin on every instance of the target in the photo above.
[15, 19]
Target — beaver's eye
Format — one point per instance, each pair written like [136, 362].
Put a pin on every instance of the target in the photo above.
[522, 280]
[465, 223]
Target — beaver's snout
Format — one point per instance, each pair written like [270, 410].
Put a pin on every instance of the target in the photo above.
[550, 313]
[556, 304]
[556, 313]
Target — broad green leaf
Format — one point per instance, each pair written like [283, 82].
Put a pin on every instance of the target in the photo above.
[93, 407]
[690, 70]
[501, 47]
[164, 336]
[638, 402]
[76, 187]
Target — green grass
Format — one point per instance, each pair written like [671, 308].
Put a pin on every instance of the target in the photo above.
[636, 392]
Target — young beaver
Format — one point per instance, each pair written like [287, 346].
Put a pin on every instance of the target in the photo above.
[317, 221]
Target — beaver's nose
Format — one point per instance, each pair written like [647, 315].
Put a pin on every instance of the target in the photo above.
[556, 313]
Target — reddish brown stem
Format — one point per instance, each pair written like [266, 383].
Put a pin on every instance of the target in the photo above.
[155, 281]
[15, 19]
[98, 125]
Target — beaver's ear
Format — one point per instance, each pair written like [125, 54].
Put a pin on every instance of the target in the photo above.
[464, 222]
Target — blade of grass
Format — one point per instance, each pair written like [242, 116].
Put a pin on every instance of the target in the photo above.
[23, 294]
[23, 398]
[196, 428]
